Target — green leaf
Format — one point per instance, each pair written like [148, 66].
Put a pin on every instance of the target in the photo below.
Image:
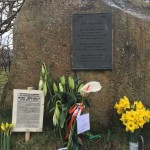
[70, 136]
[63, 116]
[55, 97]
[64, 107]
[45, 88]
[69, 103]
[52, 109]
[108, 135]
[86, 103]
[72, 96]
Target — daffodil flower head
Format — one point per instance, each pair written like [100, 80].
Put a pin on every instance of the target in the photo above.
[140, 122]
[125, 102]
[119, 108]
[124, 118]
[131, 126]
[11, 126]
[7, 125]
[131, 115]
[138, 105]
[3, 128]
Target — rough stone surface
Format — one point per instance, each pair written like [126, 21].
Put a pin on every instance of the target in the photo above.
[43, 33]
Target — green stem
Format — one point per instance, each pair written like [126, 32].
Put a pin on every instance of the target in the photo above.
[1, 141]
[8, 142]
[60, 134]
[4, 142]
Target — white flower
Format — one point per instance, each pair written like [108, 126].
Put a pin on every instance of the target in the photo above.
[92, 86]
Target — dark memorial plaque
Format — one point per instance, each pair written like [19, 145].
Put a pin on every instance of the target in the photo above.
[92, 41]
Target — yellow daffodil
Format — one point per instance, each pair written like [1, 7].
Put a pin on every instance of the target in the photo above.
[6, 128]
[119, 108]
[125, 102]
[124, 118]
[140, 112]
[131, 115]
[131, 126]
[3, 127]
[138, 105]
[140, 122]
[146, 115]
[122, 105]
[7, 125]
[11, 126]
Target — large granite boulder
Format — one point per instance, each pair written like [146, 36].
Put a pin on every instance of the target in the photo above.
[42, 33]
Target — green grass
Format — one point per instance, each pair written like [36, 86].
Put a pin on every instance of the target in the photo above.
[49, 141]
[115, 139]
[3, 79]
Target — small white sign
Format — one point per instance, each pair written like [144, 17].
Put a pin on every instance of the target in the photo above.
[83, 123]
[28, 108]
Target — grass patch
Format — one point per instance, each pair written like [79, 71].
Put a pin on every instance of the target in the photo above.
[113, 139]
[47, 140]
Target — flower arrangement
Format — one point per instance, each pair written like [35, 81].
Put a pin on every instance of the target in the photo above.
[6, 130]
[133, 116]
[68, 99]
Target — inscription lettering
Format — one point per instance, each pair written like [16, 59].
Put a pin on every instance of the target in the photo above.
[92, 41]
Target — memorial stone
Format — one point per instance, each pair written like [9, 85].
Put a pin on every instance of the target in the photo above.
[42, 33]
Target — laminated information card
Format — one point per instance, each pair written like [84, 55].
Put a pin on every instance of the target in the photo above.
[28, 107]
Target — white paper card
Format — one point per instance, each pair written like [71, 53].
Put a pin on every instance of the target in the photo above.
[28, 107]
[65, 148]
[83, 123]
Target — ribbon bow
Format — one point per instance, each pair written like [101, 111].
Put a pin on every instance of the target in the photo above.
[75, 110]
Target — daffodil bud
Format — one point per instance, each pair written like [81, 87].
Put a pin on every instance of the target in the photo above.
[55, 89]
[62, 80]
[61, 87]
[7, 125]
[11, 126]
[3, 127]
